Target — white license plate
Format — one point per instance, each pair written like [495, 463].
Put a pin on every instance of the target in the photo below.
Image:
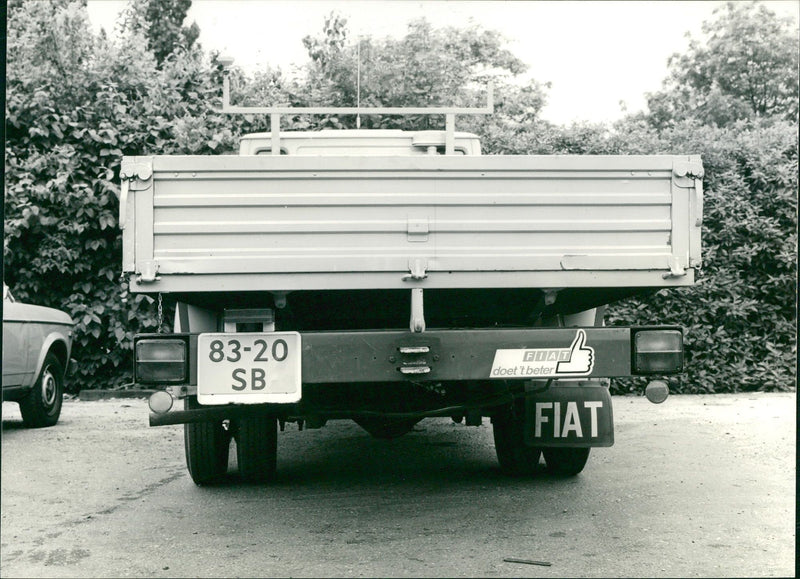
[249, 368]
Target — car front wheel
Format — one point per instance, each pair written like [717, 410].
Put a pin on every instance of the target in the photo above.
[42, 406]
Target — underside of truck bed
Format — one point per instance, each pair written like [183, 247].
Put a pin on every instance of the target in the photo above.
[389, 309]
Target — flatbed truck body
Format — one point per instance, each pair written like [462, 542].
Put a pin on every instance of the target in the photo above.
[361, 274]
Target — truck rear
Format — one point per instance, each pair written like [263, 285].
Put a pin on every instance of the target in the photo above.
[364, 275]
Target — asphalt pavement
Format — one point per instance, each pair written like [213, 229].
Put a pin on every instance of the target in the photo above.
[700, 486]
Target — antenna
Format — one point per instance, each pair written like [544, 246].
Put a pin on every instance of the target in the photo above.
[358, 83]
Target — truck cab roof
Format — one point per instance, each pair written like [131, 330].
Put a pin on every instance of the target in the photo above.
[359, 142]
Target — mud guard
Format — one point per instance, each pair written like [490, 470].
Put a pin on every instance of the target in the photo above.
[577, 414]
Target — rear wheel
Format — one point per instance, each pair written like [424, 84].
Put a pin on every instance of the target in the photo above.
[566, 461]
[256, 447]
[515, 457]
[42, 406]
[207, 445]
[386, 428]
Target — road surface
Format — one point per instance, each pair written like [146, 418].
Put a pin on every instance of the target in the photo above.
[700, 486]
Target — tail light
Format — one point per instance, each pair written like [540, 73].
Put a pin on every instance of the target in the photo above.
[161, 360]
[657, 351]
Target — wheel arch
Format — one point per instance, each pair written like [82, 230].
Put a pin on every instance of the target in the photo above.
[54, 344]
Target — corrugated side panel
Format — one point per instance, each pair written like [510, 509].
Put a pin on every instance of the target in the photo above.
[282, 215]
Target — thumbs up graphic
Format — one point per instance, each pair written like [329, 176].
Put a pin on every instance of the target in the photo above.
[581, 357]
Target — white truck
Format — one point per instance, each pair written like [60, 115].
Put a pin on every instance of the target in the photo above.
[365, 275]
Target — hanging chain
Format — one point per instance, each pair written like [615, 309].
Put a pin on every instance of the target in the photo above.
[123, 287]
[160, 312]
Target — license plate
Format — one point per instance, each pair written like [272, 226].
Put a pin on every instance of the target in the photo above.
[570, 416]
[249, 368]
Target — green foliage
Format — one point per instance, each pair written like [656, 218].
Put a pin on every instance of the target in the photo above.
[75, 105]
[438, 67]
[327, 49]
[740, 317]
[734, 100]
[427, 67]
[746, 68]
[161, 22]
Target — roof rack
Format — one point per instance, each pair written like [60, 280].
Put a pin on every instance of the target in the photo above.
[275, 112]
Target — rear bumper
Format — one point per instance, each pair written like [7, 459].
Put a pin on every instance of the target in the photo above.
[450, 355]
[454, 355]
[333, 359]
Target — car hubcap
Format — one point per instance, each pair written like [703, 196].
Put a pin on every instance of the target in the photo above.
[48, 387]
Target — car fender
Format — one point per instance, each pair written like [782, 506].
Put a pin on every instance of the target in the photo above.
[53, 338]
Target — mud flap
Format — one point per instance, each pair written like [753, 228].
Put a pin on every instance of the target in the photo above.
[573, 415]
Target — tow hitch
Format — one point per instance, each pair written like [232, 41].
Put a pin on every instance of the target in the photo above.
[657, 391]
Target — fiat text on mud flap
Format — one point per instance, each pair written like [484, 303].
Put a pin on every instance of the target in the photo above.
[386, 277]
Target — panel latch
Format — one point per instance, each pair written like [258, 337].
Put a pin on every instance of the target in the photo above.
[416, 270]
[686, 173]
[675, 269]
[139, 174]
[149, 273]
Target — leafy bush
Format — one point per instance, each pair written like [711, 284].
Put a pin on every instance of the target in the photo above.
[740, 316]
[75, 105]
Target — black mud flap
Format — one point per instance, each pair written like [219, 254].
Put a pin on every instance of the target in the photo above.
[573, 415]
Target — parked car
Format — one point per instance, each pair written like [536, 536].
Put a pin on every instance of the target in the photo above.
[37, 342]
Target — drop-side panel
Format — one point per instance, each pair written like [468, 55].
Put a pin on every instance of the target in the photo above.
[382, 217]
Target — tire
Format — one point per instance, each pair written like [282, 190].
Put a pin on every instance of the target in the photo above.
[515, 457]
[42, 406]
[565, 461]
[386, 428]
[257, 447]
[207, 445]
